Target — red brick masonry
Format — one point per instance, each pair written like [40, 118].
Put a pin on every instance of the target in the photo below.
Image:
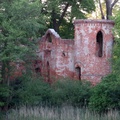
[87, 57]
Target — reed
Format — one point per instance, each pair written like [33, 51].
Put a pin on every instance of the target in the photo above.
[59, 113]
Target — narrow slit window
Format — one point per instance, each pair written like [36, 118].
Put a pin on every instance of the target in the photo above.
[78, 73]
[99, 42]
[48, 72]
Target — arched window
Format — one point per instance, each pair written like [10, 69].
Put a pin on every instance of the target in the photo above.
[78, 72]
[99, 44]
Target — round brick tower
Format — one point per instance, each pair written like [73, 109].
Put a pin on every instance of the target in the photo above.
[92, 49]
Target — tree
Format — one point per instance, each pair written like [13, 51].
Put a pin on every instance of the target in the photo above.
[20, 23]
[109, 88]
[116, 49]
[60, 10]
[109, 8]
[106, 95]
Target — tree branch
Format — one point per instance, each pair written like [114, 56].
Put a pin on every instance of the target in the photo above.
[63, 14]
[102, 15]
[114, 2]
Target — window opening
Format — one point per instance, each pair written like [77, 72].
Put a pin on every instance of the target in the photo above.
[49, 38]
[99, 41]
[37, 68]
[63, 53]
[78, 72]
[48, 72]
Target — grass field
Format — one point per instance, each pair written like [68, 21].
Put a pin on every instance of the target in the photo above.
[63, 113]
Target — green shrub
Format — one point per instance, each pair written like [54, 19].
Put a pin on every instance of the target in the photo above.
[16, 86]
[106, 95]
[5, 93]
[71, 92]
[31, 91]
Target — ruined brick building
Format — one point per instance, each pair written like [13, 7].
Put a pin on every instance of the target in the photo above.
[87, 57]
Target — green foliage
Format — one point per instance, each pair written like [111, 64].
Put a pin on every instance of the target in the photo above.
[116, 50]
[16, 86]
[106, 95]
[5, 92]
[66, 30]
[61, 13]
[30, 91]
[71, 92]
[77, 7]
[20, 23]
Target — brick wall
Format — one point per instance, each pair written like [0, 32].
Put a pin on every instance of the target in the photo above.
[86, 57]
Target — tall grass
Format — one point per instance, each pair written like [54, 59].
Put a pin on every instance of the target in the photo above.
[63, 113]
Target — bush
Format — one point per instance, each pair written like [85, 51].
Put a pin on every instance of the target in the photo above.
[71, 92]
[5, 93]
[30, 91]
[106, 95]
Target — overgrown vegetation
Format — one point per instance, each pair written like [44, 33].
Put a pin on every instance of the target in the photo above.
[35, 92]
[21, 23]
[62, 113]
[106, 95]
[71, 92]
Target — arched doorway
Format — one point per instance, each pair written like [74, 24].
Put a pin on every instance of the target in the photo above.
[78, 72]
[99, 42]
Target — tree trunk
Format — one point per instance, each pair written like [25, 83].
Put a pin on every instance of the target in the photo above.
[63, 14]
[56, 24]
[54, 21]
[109, 7]
[101, 10]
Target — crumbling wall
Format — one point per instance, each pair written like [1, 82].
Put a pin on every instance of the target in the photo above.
[56, 55]
[86, 57]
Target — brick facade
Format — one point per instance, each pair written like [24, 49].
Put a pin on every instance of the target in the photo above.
[87, 57]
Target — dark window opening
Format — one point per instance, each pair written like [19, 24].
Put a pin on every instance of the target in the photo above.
[49, 38]
[48, 72]
[37, 70]
[63, 53]
[99, 40]
[37, 67]
[78, 73]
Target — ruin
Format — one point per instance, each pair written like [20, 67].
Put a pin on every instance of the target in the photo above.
[87, 57]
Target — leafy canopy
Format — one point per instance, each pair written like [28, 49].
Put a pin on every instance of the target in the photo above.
[116, 50]
[20, 23]
[60, 13]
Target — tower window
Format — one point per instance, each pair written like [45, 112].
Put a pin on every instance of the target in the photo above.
[99, 44]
